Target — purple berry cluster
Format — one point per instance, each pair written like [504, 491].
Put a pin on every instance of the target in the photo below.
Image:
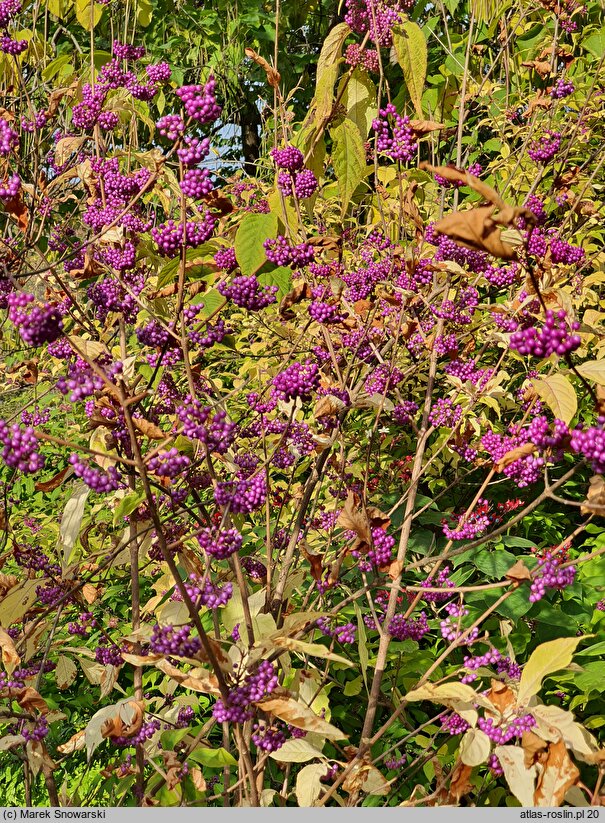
[220, 545]
[451, 628]
[241, 496]
[493, 658]
[344, 634]
[203, 592]
[555, 337]
[96, 479]
[280, 252]
[246, 291]
[174, 641]
[546, 147]
[39, 324]
[503, 734]
[590, 443]
[170, 463]
[200, 422]
[394, 135]
[256, 685]
[562, 88]
[297, 380]
[20, 448]
[200, 102]
[550, 575]
[196, 183]
[9, 139]
[170, 236]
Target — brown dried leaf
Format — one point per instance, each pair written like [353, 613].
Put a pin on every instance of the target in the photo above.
[477, 229]
[300, 291]
[315, 561]
[17, 207]
[273, 76]
[54, 482]
[198, 779]
[515, 454]
[460, 783]
[595, 496]
[10, 658]
[352, 519]
[7, 582]
[66, 147]
[127, 722]
[289, 710]
[541, 66]
[205, 682]
[558, 775]
[327, 406]
[420, 127]
[76, 742]
[532, 746]
[89, 593]
[518, 572]
[29, 700]
[500, 696]
[148, 428]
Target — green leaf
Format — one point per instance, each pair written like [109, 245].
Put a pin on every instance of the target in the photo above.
[211, 301]
[280, 277]
[127, 505]
[169, 273]
[412, 55]
[144, 12]
[253, 230]
[595, 44]
[362, 645]
[349, 160]
[353, 687]
[327, 71]
[558, 394]
[59, 8]
[55, 66]
[214, 758]
[359, 99]
[88, 13]
[546, 659]
[495, 563]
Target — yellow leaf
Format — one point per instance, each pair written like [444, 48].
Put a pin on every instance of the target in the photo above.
[559, 395]
[547, 658]
[593, 370]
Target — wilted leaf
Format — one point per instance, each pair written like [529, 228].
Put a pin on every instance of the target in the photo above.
[17, 601]
[327, 406]
[273, 76]
[532, 746]
[9, 741]
[518, 572]
[312, 649]
[10, 658]
[559, 774]
[197, 779]
[89, 593]
[55, 481]
[460, 783]
[76, 742]
[66, 672]
[501, 696]
[199, 682]
[554, 723]
[38, 757]
[475, 747]
[547, 658]
[543, 67]
[420, 127]
[300, 716]
[72, 519]
[595, 497]
[559, 395]
[515, 454]
[30, 700]
[148, 428]
[308, 783]
[476, 229]
[327, 72]
[315, 560]
[521, 780]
